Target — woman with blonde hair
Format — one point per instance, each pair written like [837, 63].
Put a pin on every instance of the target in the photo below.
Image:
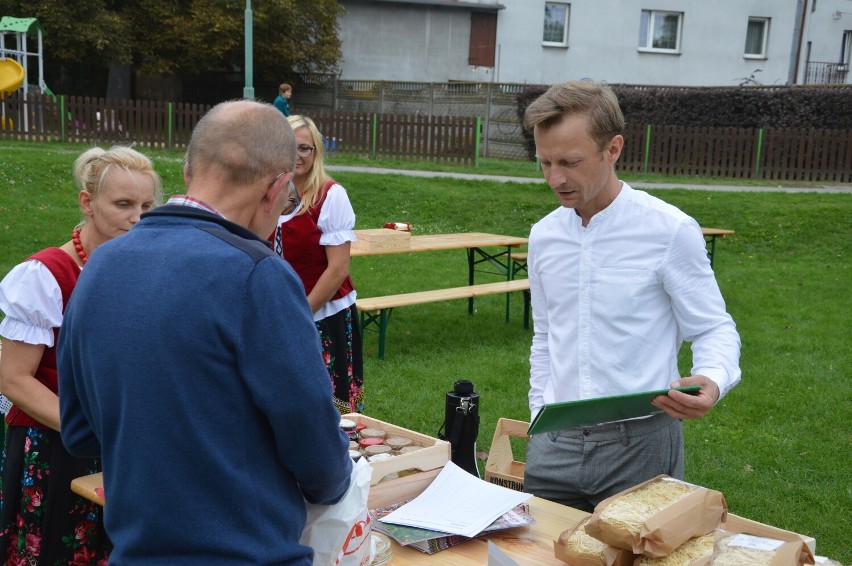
[315, 238]
[41, 520]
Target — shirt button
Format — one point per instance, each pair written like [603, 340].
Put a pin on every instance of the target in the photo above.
[586, 432]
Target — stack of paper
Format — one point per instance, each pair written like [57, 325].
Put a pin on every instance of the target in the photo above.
[456, 507]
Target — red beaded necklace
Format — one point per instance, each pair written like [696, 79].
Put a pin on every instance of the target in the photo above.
[81, 253]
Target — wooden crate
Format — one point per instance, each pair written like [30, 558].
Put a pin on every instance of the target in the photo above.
[501, 468]
[382, 239]
[432, 457]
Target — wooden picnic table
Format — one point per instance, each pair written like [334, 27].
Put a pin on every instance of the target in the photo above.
[710, 235]
[488, 253]
[475, 243]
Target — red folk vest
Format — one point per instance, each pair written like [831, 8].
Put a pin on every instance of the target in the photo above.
[66, 272]
[300, 241]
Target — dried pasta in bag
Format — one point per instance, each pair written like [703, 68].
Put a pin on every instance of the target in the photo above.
[657, 516]
[577, 548]
[694, 552]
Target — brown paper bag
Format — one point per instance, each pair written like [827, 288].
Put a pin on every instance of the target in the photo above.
[736, 549]
[579, 549]
[657, 516]
[694, 552]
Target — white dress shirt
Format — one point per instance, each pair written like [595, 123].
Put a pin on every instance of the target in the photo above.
[612, 303]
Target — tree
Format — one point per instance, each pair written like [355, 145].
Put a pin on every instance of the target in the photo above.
[187, 37]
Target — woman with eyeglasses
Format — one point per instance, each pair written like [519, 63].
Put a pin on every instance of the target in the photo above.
[314, 237]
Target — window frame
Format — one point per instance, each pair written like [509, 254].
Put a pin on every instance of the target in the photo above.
[565, 22]
[764, 47]
[846, 48]
[649, 27]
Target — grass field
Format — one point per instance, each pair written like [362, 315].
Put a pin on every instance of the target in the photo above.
[779, 446]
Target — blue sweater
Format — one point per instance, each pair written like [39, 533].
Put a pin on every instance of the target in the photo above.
[189, 361]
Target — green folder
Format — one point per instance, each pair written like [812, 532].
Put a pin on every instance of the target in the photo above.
[571, 414]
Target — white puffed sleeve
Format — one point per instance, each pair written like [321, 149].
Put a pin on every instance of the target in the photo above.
[31, 299]
[337, 218]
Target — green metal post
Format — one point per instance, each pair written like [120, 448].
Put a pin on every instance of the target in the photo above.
[248, 90]
[478, 139]
[375, 132]
[647, 146]
[171, 123]
[62, 116]
[757, 157]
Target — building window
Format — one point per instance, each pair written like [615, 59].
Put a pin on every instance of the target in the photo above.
[483, 39]
[660, 31]
[556, 24]
[757, 36]
[846, 49]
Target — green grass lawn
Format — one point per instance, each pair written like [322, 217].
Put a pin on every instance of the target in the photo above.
[779, 446]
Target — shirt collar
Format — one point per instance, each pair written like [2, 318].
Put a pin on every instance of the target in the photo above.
[184, 200]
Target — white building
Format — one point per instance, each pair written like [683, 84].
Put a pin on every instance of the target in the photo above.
[651, 42]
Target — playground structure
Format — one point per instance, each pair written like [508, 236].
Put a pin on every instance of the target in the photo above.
[14, 62]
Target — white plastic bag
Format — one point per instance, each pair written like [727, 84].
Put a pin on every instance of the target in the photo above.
[340, 533]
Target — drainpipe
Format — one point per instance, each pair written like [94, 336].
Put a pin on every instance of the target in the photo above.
[799, 29]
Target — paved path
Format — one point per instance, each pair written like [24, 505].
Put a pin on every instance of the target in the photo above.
[637, 185]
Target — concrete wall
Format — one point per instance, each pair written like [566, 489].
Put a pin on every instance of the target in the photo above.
[824, 29]
[603, 39]
[405, 42]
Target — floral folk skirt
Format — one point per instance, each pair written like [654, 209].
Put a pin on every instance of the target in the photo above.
[342, 351]
[43, 522]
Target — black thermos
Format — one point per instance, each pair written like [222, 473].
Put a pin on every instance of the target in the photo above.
[461, 425]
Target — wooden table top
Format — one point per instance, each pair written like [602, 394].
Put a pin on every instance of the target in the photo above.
[531, 545]
[435, 242]
[716, 232]
[528, 546]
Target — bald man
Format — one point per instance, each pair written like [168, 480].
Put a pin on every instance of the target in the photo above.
[190, 363]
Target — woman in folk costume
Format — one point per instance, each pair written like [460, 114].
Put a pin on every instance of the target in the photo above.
[41, 520]
[315, 238]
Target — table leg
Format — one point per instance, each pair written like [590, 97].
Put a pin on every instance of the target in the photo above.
[495, 261]
[712, 252]
[470, 277]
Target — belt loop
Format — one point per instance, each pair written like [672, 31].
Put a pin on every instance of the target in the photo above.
[625, 439]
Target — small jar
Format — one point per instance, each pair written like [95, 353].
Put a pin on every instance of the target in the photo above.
[372, 433]
[365, 442]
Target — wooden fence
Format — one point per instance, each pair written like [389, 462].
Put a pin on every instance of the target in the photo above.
[790, 154]
[169, 125]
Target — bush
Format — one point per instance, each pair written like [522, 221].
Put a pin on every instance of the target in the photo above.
[828, 107]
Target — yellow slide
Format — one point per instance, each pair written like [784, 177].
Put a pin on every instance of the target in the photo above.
[11, 76]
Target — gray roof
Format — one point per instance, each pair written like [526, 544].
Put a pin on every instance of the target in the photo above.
[474, 4]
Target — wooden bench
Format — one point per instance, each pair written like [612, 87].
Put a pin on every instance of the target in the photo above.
[377, 310]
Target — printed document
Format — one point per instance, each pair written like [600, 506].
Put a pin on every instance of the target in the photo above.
[458, 503]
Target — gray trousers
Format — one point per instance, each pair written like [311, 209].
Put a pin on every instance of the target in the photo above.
[580, 467]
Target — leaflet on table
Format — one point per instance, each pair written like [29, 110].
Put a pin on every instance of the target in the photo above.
[457, 502]
[430, 542]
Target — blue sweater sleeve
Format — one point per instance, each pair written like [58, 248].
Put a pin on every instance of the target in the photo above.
[282, 365]
[78, 436]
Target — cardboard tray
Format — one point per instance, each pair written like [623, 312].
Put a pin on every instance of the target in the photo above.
[434, 454]
[382, 239]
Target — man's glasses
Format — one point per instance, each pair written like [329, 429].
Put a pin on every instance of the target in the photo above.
[305, 150]
[294, 196]
[293, 201]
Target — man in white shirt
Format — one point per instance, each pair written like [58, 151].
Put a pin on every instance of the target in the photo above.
[619, 279]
